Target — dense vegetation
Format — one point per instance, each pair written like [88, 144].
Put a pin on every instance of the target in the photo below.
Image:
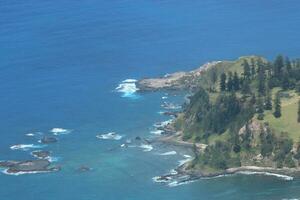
[238, 111]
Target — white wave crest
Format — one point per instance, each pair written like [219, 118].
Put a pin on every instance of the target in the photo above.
[30, 134]
[159, 179]
[182, 162]
[26, 147]
[281, 176]
[157, 132]
[5, 171]
[128, 88]
[53, 159]
[178, 183]
[173, 172]
[146, 147]
[168, 153]
[60, 131]
[109, 136]
[163, 124]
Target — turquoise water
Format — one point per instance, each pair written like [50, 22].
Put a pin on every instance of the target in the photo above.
[60, 62]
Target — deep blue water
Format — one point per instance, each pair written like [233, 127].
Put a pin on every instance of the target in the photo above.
[61, 60]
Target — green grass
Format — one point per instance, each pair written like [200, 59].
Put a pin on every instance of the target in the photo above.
[214, 137]
[288, 121]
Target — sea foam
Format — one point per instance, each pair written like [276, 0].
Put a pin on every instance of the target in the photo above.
[60, 131]
[281, 176]
[168, 153]
[156, 132]
[109, 136]
[26, 147]
[146, 147]
[128, 88]
[5, 171]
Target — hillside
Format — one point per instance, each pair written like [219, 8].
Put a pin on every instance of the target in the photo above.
[246, 111]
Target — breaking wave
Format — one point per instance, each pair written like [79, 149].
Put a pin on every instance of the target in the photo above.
[109, 136]
[60, 131]
[281, 176]
[157, 132]
[26, 147]
[168, 153]
[128, 88]
[146, 147]
[5, 171]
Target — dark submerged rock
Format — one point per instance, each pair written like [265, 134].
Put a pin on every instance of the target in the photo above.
[138, 138]
[28, 166]
[84, 168]
[48, 140]
[41, 154]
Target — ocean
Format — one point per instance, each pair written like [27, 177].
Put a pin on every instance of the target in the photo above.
[61, 62]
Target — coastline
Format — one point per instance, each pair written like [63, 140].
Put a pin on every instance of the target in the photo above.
[184, 174]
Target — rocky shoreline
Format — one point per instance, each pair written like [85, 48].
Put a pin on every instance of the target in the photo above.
[174, 81]
[184, 174]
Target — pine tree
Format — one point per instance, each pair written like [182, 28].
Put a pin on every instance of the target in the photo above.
[246, 87]
[253, 72]
[277, 104]
[285, 83]
[260, 109]
[298, 112]
[246, 137]
[247, 72]
[261, 80]
[268, 100]
[213, 77]
[278, 66]
[288, 65]
[253, 99]
[236, 81]
[223, 82]
[230, 82]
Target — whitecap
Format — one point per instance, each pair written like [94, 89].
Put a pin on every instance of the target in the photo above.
[123, 145]
[164, 97]
[182, 162]
[159, 179]
[128, 88]
[163, 123]
[168, 153]
[281, 176]
[26, 147]
[146, 147]
[161, 112]
[171, 106]
[157, 132]
[173, 172]
[178, 183]
[109, 136]
[53, 159]
[60, 131]
[5, 171]
[30, 134]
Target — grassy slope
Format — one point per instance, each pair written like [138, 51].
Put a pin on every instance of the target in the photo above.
[288, 121]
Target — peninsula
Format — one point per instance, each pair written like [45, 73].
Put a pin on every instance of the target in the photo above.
[242, 115]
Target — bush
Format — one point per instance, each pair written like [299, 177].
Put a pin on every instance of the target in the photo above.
[289, 162]
[260, 116]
